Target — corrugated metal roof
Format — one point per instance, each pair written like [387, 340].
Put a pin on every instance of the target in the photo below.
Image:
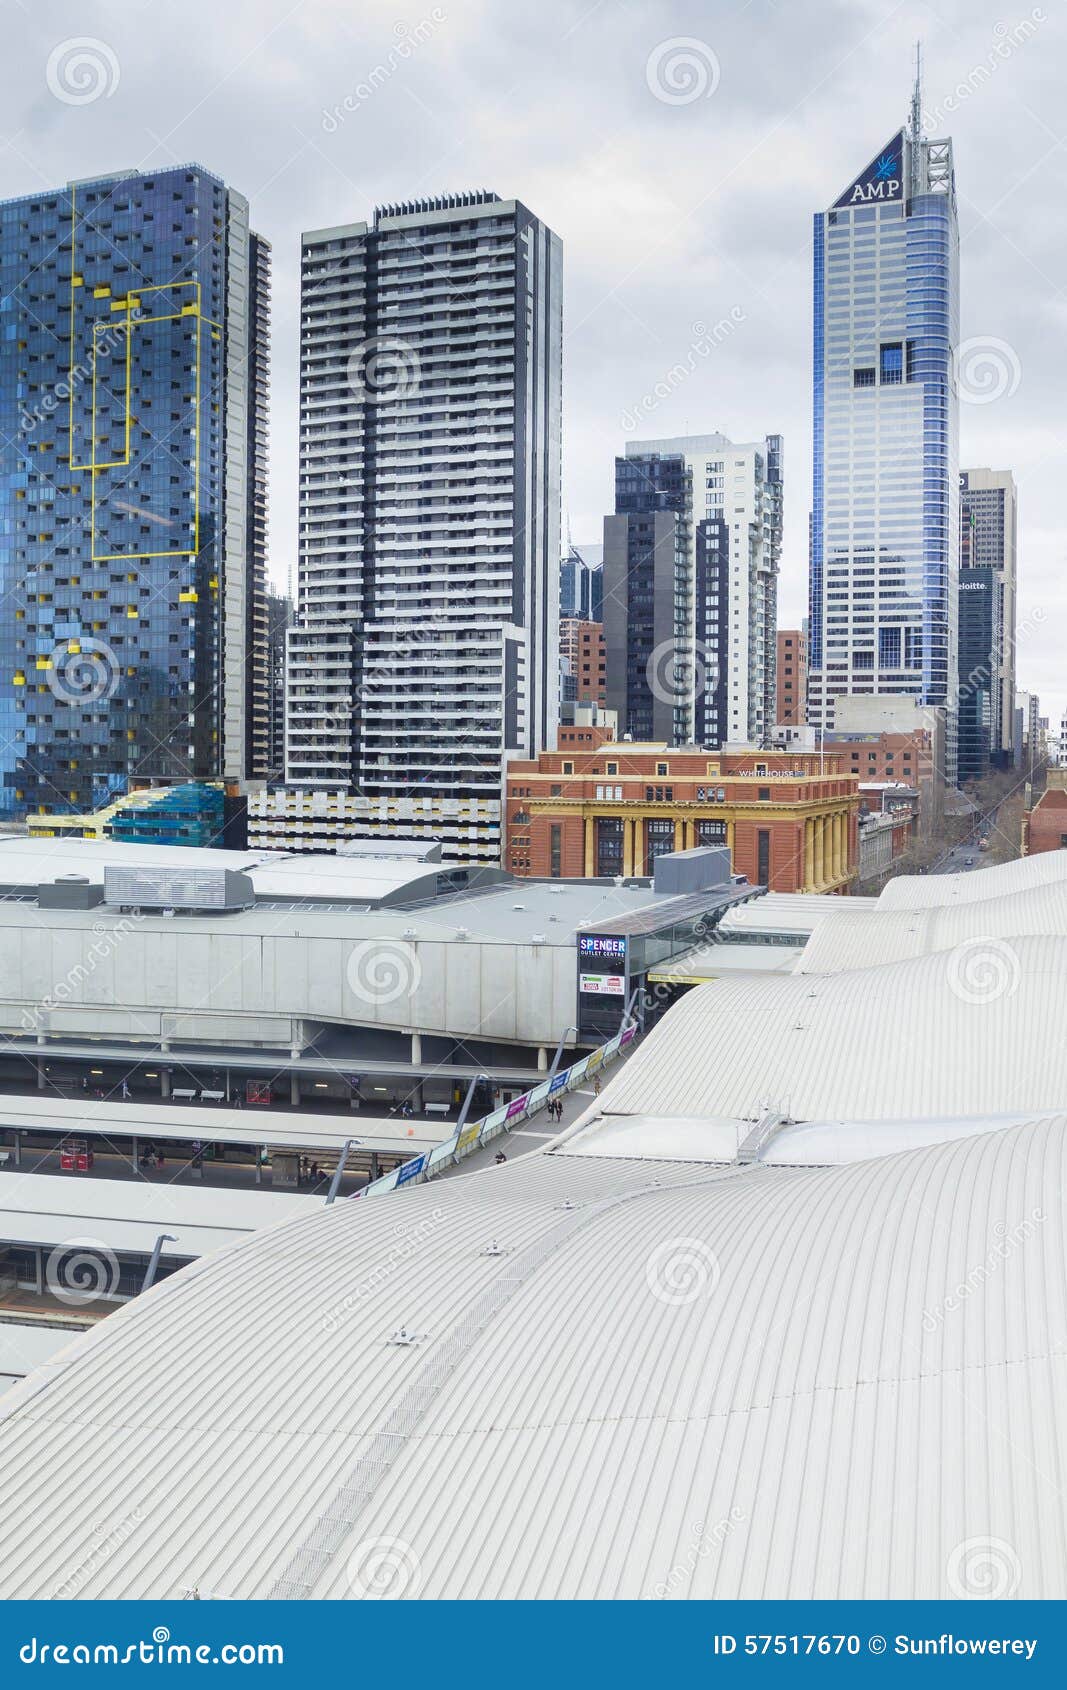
[257, 1125]
[922, 891]
[129, 1215]
[728, 1385]
[788, 912]
[977, 1030]
[857, 938]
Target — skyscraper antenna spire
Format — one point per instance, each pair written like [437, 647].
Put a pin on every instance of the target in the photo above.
[916, 184]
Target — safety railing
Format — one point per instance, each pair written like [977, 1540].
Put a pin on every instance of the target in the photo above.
[503, 1120]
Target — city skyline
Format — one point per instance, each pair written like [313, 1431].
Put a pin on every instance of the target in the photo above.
[684, 205]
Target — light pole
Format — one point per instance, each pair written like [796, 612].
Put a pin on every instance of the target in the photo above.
[559, 1050]
[153, 1264]
[340, 1168]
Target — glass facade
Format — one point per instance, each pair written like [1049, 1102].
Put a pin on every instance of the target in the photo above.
[133, 395]
[977, 676]
[691, 574]
[884, 531]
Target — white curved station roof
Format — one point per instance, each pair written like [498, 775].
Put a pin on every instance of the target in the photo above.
[922, 891]
[57, 1210]
[690, 1350]
[974, 1031]
[857, 938]
[622, 1383]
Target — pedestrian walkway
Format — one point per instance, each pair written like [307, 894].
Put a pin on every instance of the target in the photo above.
[538, 1130]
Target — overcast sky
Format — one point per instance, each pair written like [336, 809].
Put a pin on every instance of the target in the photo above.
[679, 150]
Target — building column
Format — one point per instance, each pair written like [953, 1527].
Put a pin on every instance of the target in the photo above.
[542, 1059]
[590, 847]
[627, 847]
[416, 1049]
[639, 846]
[842, 867]
[679, 834]
[731, 828]
[164, 1082]
[294, 1090]
[820, 876]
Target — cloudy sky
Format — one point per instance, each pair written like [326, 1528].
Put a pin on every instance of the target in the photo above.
[678, 150]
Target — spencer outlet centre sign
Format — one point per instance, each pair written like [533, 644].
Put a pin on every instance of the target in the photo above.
[883, 180]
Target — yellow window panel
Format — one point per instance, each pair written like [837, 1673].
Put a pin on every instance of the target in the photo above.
[132, 612]
[102, 292]
[131, 733]
[74, 647]
[189, 597]
[77, 281]
[44, 663]
[20, 679]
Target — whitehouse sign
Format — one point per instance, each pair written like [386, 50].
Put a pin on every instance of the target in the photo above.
[883, 180]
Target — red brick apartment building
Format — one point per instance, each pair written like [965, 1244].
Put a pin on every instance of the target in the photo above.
[582, 645]
[1045, 825]
[597, 806]
[792, 707]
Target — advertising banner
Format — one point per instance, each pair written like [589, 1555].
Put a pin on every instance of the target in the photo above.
[410, 1170]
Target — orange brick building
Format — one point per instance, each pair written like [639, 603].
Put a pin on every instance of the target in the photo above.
[597, 806]
[582, 645]
[911, 758]
[792, 707]
[1045, 825]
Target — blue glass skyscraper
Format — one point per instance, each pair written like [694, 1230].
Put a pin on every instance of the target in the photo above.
[885, 517]
[133, 393]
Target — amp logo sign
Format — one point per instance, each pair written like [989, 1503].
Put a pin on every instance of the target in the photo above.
[883, 179]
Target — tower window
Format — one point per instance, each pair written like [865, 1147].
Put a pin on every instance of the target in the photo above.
[892, 363]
